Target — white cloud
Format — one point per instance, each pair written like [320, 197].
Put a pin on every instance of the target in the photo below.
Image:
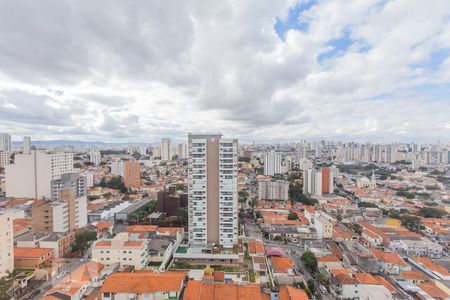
[139, 70]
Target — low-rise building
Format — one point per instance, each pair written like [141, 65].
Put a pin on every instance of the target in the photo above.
[142, 285]
[60, 242]
[33, 258]
[121, 250]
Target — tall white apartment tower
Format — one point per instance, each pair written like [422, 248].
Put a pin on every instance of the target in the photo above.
[166, 149]
[212, 187]
[272, 163]
[6, 243]
[5, 142]
[30, 176]
[312, 182]
[182, 151]
[95, 156]
[26, 149]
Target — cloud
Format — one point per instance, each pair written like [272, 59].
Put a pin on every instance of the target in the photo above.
[263, 70]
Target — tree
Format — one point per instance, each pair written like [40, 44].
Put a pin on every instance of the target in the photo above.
[339, 218]
[366, 204]
[77, 165]
[182, 214]
[258, 215]
[310, 260]
[429, 212]
[411, 222]
[322, 279]
[357, 228]
[292, 216]
[82, 239]
[406, 194]
[244, 159]
[181, 187]
[311, 286]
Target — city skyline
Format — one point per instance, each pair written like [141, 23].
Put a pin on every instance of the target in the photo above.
[372, 70]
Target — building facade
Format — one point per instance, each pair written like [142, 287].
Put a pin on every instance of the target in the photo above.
[31, 174]
[312, 182]
[5, 142]
[6, 243]
[166, 149]
[272, 163]
[212, 188]
[74, 181]
[273, 190]
[26, 148]
[132, 174]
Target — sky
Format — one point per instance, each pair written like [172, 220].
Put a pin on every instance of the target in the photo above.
[263, 70]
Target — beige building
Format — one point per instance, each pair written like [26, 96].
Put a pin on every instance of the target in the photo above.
[273, 190]
[77, 207]
[212, 187]
[51, 217]
[4, 158]
[6, 243]
[121, 250]
[31, 174]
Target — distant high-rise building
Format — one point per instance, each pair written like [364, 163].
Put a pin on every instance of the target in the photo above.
[31, 174]
[74, 181]
[169, 201]
[212, 186]
[132, 174]
[5, 142]
[117, 167]
[143, 150]
[312, 182]
[26, 149]
[95, 156]
[327, 181]
[183, 151]
[5, 158]
[6, 243]
[273, 190]
[166, 149]
[272, 163]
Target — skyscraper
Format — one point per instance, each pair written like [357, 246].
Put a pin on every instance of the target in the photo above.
[166, 149]
[312, 182]
[6, 243]
[26, 149]
[212, 186]
[327, 181]
[132, 174]
[5, 142]
[95, 156]
[272, 163]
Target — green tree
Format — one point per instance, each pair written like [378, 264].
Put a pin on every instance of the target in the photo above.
[311, 286]
[411, 222]
[339, 218]
[357, 228]
[244, 159]
[429, 212]
[181, 187]
[77, 165]
[366, 204]
[292, 216]
[322, 279]
[310, 260]
[82, 239]
[406, 194]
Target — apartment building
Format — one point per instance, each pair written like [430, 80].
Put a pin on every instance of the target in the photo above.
[6, 243]
[95, 156]
[327, 181]
[212, 189]
[324, 227]
[5, 142]
[26, 147]
[60, 242]
[77, 208]
[273, 189]
[117, 167]
[272, 163]
[170, 200]
[132, 174]
[183, 152]
[166, 149]
[121, 250]
[33, 258]
[5, 158]
[74, 181]
[51, 217]
[31, 174]
[312, 182]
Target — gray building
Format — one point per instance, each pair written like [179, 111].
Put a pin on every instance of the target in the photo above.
[74, 181]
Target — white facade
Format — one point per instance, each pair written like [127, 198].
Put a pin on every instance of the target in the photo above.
[89, 178]
[183, 152]
[5, 158]
[94, 156]
[272, 163]
[5, 142]
[26, 149]
[324, 228]
[6, 243]
[30, 176]
[212, 185]
[60, 216]
[117, 167]
[166, 149]
[121, 250]
[312, 182]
